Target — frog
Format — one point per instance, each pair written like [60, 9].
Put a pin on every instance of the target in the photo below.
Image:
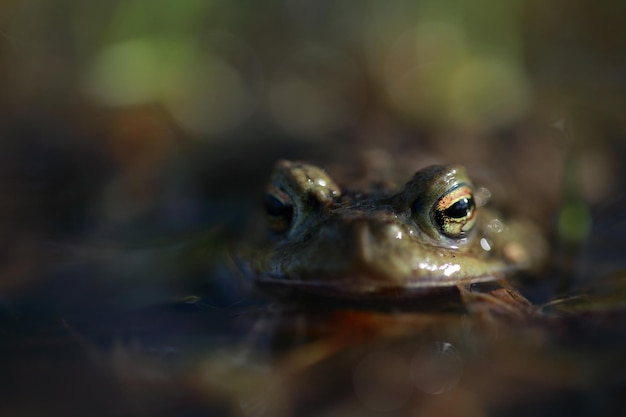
[365, 262]
[435, 232]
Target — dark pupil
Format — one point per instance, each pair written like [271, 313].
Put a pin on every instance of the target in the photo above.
[277, 208]
[460, 209]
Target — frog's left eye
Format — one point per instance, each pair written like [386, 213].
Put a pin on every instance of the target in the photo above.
[455, 212]
[279, 209]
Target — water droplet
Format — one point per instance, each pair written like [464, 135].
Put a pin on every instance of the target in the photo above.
[495, 226]
[482, 195]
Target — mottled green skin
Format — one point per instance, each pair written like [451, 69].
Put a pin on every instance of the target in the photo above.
[386, 240]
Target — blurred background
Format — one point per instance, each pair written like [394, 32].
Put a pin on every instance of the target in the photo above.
[132, 131]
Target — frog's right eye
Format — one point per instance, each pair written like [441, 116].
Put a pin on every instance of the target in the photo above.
[279, 210]
[455, 212]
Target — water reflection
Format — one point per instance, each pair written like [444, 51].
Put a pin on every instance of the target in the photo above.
[437, 369]
[318, 360]
[381, 381]
[344, 361]
[387, 380]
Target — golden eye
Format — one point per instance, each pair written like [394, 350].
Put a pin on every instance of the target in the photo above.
[455, 212]
[278, 209]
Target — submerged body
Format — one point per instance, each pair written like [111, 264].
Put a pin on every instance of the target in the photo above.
[435, 232]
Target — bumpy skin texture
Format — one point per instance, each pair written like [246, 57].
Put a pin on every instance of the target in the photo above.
[432, 233]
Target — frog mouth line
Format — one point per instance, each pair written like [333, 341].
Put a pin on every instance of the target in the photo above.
[362, 286]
